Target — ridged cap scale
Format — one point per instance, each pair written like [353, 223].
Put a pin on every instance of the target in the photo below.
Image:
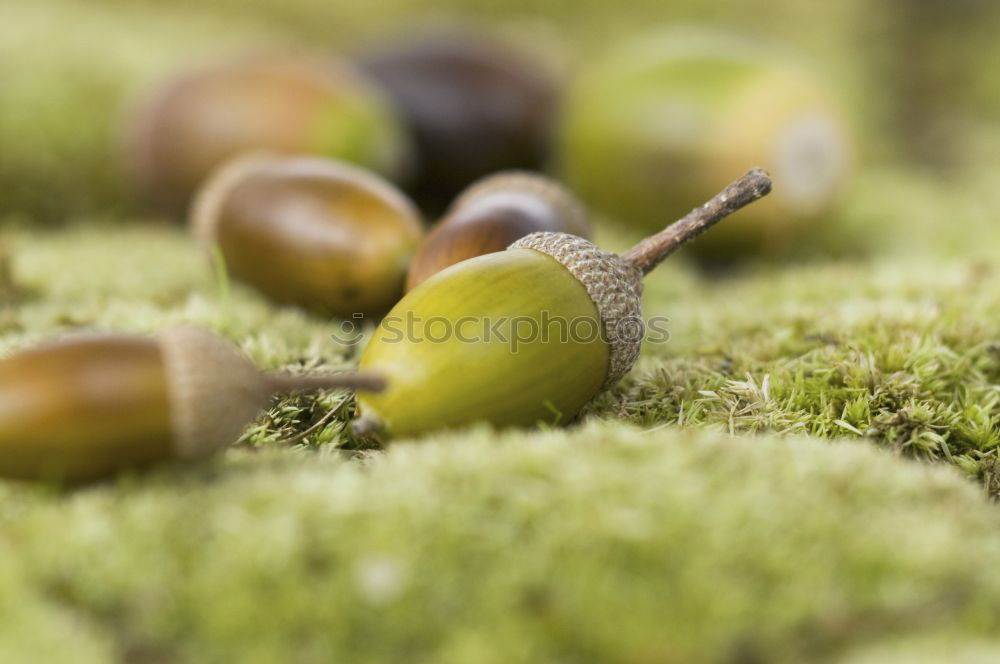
[614, 286]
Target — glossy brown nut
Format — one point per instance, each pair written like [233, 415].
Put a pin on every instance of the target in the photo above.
[473, 106]
[191, 124]
[310, 231]
[87, 407]
[72, 410]
[492, 214]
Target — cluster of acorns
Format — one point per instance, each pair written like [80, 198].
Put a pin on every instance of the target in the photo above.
[285, 158]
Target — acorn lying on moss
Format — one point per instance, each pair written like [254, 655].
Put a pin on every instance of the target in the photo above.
[474, 106]
[521, 336]
[89, 406]
[310, 231]
[492, 214]
[651, 126]
[282, 104]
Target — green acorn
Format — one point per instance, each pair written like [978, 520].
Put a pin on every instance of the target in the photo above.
[650, 126]
[522, 336]
[87, 407]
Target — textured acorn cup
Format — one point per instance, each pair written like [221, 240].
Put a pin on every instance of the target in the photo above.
[493, 213]
[310, 231]
[283, 104]
[84, 408]
[474, 106]
[650, 126]
[448, 354]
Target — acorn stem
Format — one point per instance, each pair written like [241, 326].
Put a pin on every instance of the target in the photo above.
[650, 252]
[366, 382]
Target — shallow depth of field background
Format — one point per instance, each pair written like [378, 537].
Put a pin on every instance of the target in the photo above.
[808, 471]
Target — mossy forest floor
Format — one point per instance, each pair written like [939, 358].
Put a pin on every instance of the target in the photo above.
[806, 471]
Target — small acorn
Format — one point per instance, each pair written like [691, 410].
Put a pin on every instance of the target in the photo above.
[473, 105]
[525, 335]
[650, 125]
[286, 104]
[87, 407]
[310, 231]
[493, 213]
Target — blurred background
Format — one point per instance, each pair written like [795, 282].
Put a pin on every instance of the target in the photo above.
[910, 147]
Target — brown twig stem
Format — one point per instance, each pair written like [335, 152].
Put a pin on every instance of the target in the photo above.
[647, 254]
[365, 382]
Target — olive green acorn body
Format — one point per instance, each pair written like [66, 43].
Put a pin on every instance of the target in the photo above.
[310, 231]
[86, 407]
[525, 335]
[492, 214]
[481, 320]
[287, 104]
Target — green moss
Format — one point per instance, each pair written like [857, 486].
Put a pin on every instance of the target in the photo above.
[32, 627]
[606, 543]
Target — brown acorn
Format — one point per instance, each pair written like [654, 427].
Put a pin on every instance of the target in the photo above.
[287, 104]
[492, 214]
[310, 231]
[87, 407]
[473, 105]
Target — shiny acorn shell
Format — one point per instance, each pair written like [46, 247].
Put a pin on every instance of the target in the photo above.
[280, 103]
[492, 214]
[87, 407]
[446, 348]
[310, 231]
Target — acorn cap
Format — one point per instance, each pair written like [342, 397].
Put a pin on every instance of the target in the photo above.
[214, 391]
[566, 205]
[613, 284]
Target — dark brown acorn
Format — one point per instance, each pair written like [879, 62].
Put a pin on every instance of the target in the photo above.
[310, 231]
[474, 106]
[492, 214]
[87, 407]
[284, 104]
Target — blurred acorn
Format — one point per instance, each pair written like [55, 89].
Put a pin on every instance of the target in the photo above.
[493, 213]
[282, 104]
[473, 105]
[310, 231]
[87, 407]
[652, 126]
